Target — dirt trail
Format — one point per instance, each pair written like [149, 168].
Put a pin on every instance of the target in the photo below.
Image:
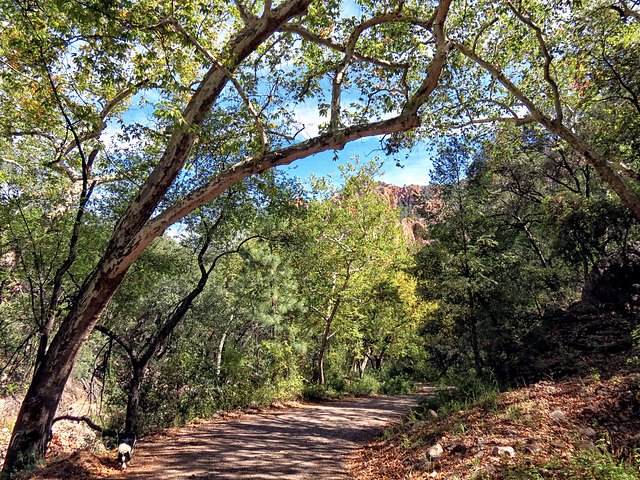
[303, 443]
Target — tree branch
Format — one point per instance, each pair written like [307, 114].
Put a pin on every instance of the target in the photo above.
[105, 432]
[247, 101]
[12, 162]
[328, 42]
[244, 12]
[625, 11]
[548, 58]
[336, 140]
[119, 340]
[604, 168]
[517, 121]
[628, 172]
[350, 48]
[101, 123]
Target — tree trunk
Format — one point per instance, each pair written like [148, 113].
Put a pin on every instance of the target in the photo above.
[532, 241]
[31, 432]
[326, 334]
[473, 327]
[223, 339]
[362, 366]
[133, 401]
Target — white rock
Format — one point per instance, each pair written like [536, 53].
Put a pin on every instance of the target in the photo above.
[558, 416]
[435, 451]
[499, 451]
[584, 445]
[587, 432]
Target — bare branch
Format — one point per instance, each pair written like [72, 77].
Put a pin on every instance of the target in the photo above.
[443, 47]
[119, 340]
[34, 133]
[625, 11]
[603, 167]
[328, 42]
[208, 55]
[482, 29]
[320, 314]
[628, 172]
[513, 116]
[350, 49]
[513, 120]
[548, 58]
[105, 432]
[247, 101]
[336, 140]
[101, 123]
[12, 162]
[267, 8]
[245, 14]
[502, 78]
[256, 116]
[633, 96]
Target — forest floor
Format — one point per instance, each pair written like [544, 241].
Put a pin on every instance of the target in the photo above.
[581, 422]
[550, 430]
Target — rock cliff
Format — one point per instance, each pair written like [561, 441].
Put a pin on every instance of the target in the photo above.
[406, 199]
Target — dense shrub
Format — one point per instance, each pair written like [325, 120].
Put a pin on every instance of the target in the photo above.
[367, 385]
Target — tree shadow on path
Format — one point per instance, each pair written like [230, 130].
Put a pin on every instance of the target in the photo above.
[304, 443]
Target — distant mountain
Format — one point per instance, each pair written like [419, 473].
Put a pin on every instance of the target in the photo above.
[406, 200]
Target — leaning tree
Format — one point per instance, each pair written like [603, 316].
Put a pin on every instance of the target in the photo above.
[73, 79]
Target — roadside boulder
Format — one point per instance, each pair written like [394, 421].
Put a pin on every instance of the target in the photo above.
[500, 451]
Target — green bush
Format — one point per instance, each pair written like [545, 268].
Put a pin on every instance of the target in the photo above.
[367, 385]
[314, 392]
[455, 397]
[337, 383]
[399, 385]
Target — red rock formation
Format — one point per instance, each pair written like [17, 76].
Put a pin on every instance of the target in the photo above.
[405, 199]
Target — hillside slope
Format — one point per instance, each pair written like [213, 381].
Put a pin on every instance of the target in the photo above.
[585, 424]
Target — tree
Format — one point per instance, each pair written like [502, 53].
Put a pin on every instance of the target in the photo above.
[88, 62]
[351, 238]
[546, 63]
[471, 267]
[392, 317]
[40, 265]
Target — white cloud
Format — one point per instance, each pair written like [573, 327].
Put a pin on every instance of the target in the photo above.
[416, 174]
[307, 115]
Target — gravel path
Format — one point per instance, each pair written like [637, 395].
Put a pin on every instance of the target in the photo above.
[312, 442]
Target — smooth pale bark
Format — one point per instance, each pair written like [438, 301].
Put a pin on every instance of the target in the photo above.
[135, 230]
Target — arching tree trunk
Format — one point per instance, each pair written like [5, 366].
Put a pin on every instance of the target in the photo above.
[136, 229]
[32, 429]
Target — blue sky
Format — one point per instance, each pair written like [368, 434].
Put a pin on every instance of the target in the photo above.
[415, 171]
